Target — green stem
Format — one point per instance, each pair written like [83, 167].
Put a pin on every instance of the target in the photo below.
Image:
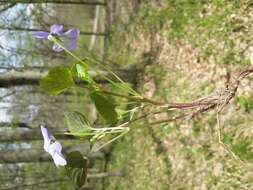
[130, 90]
[109, 128]
[114, 74]
[112, 140]
[136, 98]
[53, 39]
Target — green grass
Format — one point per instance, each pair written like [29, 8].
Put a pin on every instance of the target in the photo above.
[245, 102]
[207, 25]
[140, 160]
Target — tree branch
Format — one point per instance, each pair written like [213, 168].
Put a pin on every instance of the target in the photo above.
[219, 98]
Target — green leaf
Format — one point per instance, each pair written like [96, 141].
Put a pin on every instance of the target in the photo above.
[77, 122]
[80, 71]
[105, 108]
[57, 80]
[77, 168]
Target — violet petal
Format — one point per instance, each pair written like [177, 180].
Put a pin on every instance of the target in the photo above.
[72, 33]
[57, 146]
[40, 34]
[70, 44]
[57, 48]
[59, 160]
[55, 151]
[56, 29]
[47, 137]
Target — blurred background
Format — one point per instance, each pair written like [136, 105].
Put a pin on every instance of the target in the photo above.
[171, 50]
[24, 60]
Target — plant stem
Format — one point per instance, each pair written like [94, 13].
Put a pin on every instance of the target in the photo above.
[58, 42]
[112, 140]
[53, 39]
[136, 98]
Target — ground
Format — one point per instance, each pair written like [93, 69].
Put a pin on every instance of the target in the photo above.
[185, 50]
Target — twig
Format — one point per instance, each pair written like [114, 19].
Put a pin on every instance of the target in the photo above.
[219, 98]
[221, 142]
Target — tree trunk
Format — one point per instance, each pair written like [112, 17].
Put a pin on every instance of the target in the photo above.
[34, 29]
[16, 78]
[30, 134]
[35, 155]
[55, 2]
[95, 28]
[23, 155]
[14, 125]
[40, 183]
[43, 175]
[8, 6]
[20, 78]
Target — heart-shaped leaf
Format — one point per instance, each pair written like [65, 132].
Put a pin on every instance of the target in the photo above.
[77, 168]
[77, 122]
[57, 80]
[104, 107]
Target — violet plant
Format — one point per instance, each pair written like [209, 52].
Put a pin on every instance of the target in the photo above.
[61, 78]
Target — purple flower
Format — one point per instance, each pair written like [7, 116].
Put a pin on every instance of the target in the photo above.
[69, 37]
[54, 148]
